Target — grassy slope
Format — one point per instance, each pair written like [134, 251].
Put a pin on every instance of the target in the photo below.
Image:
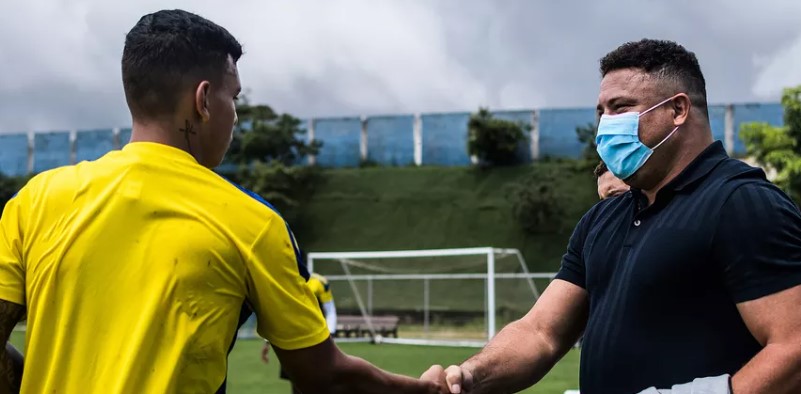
[435, 207]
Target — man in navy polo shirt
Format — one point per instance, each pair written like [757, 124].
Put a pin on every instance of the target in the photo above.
[689, 282]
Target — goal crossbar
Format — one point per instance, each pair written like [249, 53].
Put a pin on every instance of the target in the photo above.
[547, 275]
[389, 254]
[489, 275]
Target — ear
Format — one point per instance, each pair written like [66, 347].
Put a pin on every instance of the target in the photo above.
[202, 100]
[681, 109]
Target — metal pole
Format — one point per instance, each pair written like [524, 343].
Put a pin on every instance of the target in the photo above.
[530, 281]
[486, 302]
[491, 294]
[370, 296]
[426, 290]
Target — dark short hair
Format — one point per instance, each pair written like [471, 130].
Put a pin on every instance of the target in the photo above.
[600, 169]
[662, 59]
[167, 51]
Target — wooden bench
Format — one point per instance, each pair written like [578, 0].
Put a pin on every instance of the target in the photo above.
[356, 326]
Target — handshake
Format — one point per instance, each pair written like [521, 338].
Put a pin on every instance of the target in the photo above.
[452, 380]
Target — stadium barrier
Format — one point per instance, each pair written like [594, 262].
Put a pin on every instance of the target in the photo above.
[396, 140]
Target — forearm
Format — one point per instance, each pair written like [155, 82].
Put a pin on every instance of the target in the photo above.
[356, 376]
[775, 369]
[10, 370]
[518, 357]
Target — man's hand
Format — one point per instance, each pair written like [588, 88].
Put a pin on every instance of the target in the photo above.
[265, 353]
[525, 350]
[454, 379]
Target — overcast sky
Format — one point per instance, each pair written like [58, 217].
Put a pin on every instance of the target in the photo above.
[59, 59]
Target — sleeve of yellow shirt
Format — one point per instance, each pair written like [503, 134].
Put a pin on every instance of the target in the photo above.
[321, 288]
[287, 312]
[12, 269]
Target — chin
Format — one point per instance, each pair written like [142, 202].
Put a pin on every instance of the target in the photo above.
[635, 181]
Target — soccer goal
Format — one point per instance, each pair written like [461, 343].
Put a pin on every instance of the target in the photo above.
[443, 297]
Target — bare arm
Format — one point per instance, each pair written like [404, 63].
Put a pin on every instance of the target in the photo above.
[524, 351]
[10, 371]
[775, 321]
[325, 369]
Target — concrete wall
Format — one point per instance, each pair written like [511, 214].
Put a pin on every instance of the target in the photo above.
[390, 140]
[444, 139]
[51, 150]
[14, 154]
[394, 140]
[557, 131]
[341, 139]
[93, 144]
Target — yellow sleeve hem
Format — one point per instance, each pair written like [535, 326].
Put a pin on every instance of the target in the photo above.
[302, 342]
[11, 295]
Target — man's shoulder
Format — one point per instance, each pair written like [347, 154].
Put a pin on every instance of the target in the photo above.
[57, 184]
[736, 170]
[606, 206]
[249, 199]
[736, 176]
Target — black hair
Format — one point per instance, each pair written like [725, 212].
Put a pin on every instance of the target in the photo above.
[661, 59]
[168, 50]
[600, 169]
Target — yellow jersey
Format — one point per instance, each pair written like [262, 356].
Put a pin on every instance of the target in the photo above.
[320, 288]
[134, 269]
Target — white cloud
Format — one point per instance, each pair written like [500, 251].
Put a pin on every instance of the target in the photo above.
[60, 58]
[781, 70]
[365, 56]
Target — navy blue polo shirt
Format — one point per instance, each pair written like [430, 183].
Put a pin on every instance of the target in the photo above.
[664, 280]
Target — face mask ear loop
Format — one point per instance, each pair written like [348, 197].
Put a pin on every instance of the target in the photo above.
[665, 139]
[657, 106]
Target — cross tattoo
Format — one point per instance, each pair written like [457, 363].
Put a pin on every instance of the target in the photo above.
[188, 130]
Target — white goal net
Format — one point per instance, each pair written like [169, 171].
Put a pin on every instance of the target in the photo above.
[446, 297]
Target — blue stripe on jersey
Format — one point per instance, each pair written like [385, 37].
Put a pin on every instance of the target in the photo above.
[244, 315]
[301, 265]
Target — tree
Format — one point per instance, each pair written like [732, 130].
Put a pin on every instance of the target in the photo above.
[267, 147]
[9, 186]
[263, 135]
[586, 135]
[779, 148]
[496, 142]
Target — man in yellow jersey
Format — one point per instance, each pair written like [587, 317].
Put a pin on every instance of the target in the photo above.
[134, 269]
[325, 298]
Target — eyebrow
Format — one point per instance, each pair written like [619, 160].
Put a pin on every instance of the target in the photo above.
[611, 102]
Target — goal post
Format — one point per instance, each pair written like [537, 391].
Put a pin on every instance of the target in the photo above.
[447, 297]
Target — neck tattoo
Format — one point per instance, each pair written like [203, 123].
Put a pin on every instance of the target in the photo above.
[186, 131]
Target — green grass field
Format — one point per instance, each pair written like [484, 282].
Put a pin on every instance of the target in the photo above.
[248, 375]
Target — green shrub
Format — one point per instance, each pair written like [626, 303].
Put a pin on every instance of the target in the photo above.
[536, 204]
[495, 142]
[10, 186]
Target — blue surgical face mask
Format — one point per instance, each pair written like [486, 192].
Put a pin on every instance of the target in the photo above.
[618, 142]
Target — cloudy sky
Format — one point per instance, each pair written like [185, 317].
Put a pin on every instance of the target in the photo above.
[59, 59]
